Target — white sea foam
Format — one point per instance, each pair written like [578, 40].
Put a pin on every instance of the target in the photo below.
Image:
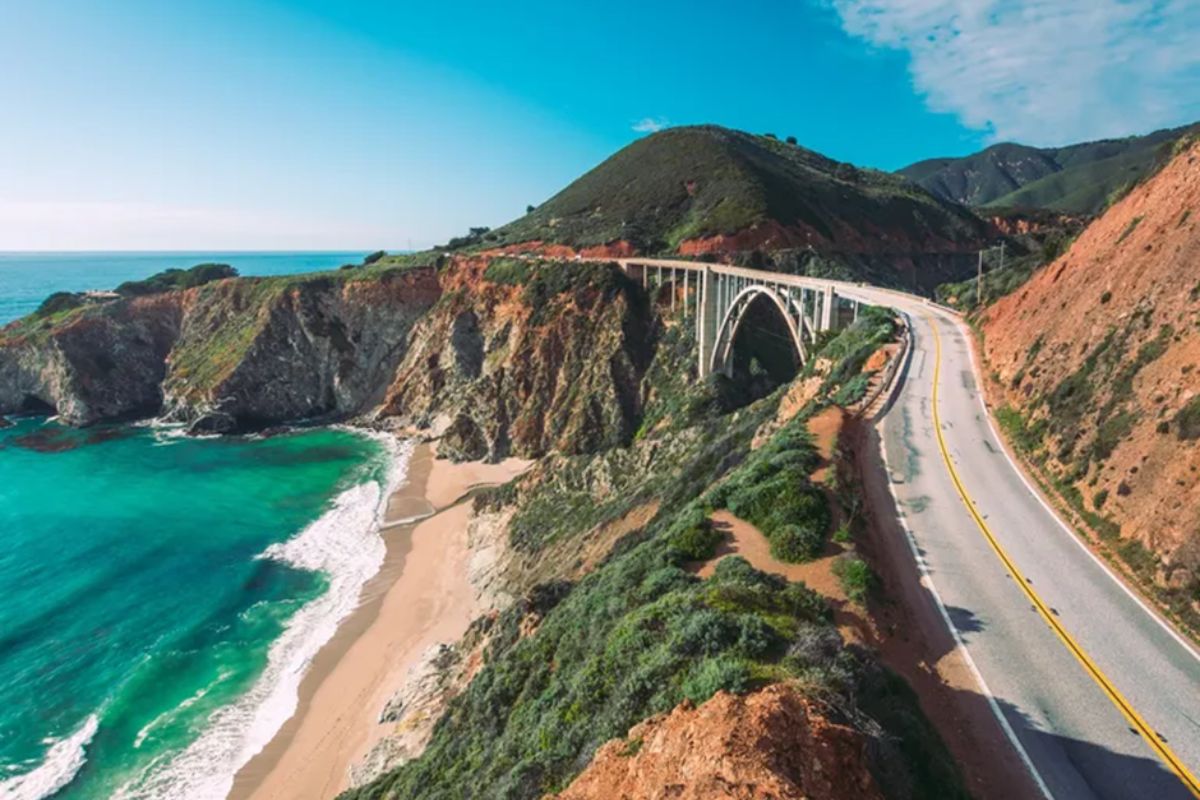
[346, 546]
[62, 761]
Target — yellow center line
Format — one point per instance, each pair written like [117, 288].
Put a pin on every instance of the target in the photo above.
[1124, 706]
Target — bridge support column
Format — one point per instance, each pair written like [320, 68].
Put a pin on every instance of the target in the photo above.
[707, 319]
[827, 305]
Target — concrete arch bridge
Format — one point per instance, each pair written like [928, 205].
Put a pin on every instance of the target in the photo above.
[722, 299]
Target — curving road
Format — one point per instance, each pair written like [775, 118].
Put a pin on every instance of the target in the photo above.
[1099, 697]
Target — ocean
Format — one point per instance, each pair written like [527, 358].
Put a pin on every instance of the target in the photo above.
[26, 279]
[163, 594]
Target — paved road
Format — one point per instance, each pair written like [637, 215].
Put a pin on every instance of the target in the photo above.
[1057, 691]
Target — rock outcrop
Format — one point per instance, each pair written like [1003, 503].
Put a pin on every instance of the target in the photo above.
[552, 360]
[231, 355]
[773, 744]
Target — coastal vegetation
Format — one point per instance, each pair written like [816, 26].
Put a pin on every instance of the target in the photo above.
[171, 279]
[639, 632]
[637, 636]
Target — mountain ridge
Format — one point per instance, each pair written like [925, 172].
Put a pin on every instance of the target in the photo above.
[705, 191]
[1079, 178]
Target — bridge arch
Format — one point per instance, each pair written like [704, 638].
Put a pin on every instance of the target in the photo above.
[788, 308]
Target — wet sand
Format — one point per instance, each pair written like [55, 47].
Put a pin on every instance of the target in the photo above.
[421, 596]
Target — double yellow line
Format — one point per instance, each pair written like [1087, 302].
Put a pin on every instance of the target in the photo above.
[1124, 706]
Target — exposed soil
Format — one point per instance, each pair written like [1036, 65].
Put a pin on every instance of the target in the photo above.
[773, 744]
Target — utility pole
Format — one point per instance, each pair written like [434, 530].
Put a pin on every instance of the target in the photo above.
[979, 281]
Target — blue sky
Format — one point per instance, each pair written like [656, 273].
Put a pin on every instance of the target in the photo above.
[301, 125]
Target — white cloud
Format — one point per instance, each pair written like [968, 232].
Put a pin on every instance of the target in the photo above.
[650, 124]
[1044, 71]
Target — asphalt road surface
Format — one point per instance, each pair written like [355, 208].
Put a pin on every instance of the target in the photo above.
[1101, 699]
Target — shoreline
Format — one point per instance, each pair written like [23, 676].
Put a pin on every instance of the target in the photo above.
[421, 597]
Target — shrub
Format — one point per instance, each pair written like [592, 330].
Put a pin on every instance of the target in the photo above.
[796, 543]
[714, 674]
[1105, 296]
[172, 279]
[694, 537]
[1133, 223]
[373, 257]
[1187, 421]
[856, 578]
[509, 271]
[59, 301]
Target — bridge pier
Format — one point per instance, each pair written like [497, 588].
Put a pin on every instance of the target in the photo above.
[723, 294]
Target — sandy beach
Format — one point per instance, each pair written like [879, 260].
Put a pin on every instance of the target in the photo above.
[421, 597]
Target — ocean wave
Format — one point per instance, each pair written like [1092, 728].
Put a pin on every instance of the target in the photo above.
[346, 546]
[58, 768]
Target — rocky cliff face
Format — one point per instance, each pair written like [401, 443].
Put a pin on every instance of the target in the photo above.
[107, 363]
[1100, 354]
[319, 347]
[501, 356]
[773, 744]
[230, 355]
[525, 361]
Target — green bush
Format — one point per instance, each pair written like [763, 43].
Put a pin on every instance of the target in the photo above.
[58, 302]
[714, 674]
[694, 537]
[171, 279]
[509, 271]
[772, 491]
[796, 543]
[1187, 421]
[856, 578]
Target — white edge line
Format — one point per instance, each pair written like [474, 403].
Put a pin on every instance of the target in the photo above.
[1072, 534]
[961, 645]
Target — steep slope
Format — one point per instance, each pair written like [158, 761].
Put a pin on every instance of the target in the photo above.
[705, 189]
[1078, 179]
[1098, 355]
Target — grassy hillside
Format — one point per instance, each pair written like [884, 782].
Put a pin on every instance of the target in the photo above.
[1077, 179]
[696, 182]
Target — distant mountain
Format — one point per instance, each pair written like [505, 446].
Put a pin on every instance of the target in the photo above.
[705, 188]
[1078, 179]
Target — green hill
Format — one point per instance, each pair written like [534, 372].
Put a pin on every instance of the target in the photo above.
[1078, 179]
[692, 183]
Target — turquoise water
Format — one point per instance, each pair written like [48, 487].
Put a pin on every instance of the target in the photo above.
[26, 279]
[162, 595]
